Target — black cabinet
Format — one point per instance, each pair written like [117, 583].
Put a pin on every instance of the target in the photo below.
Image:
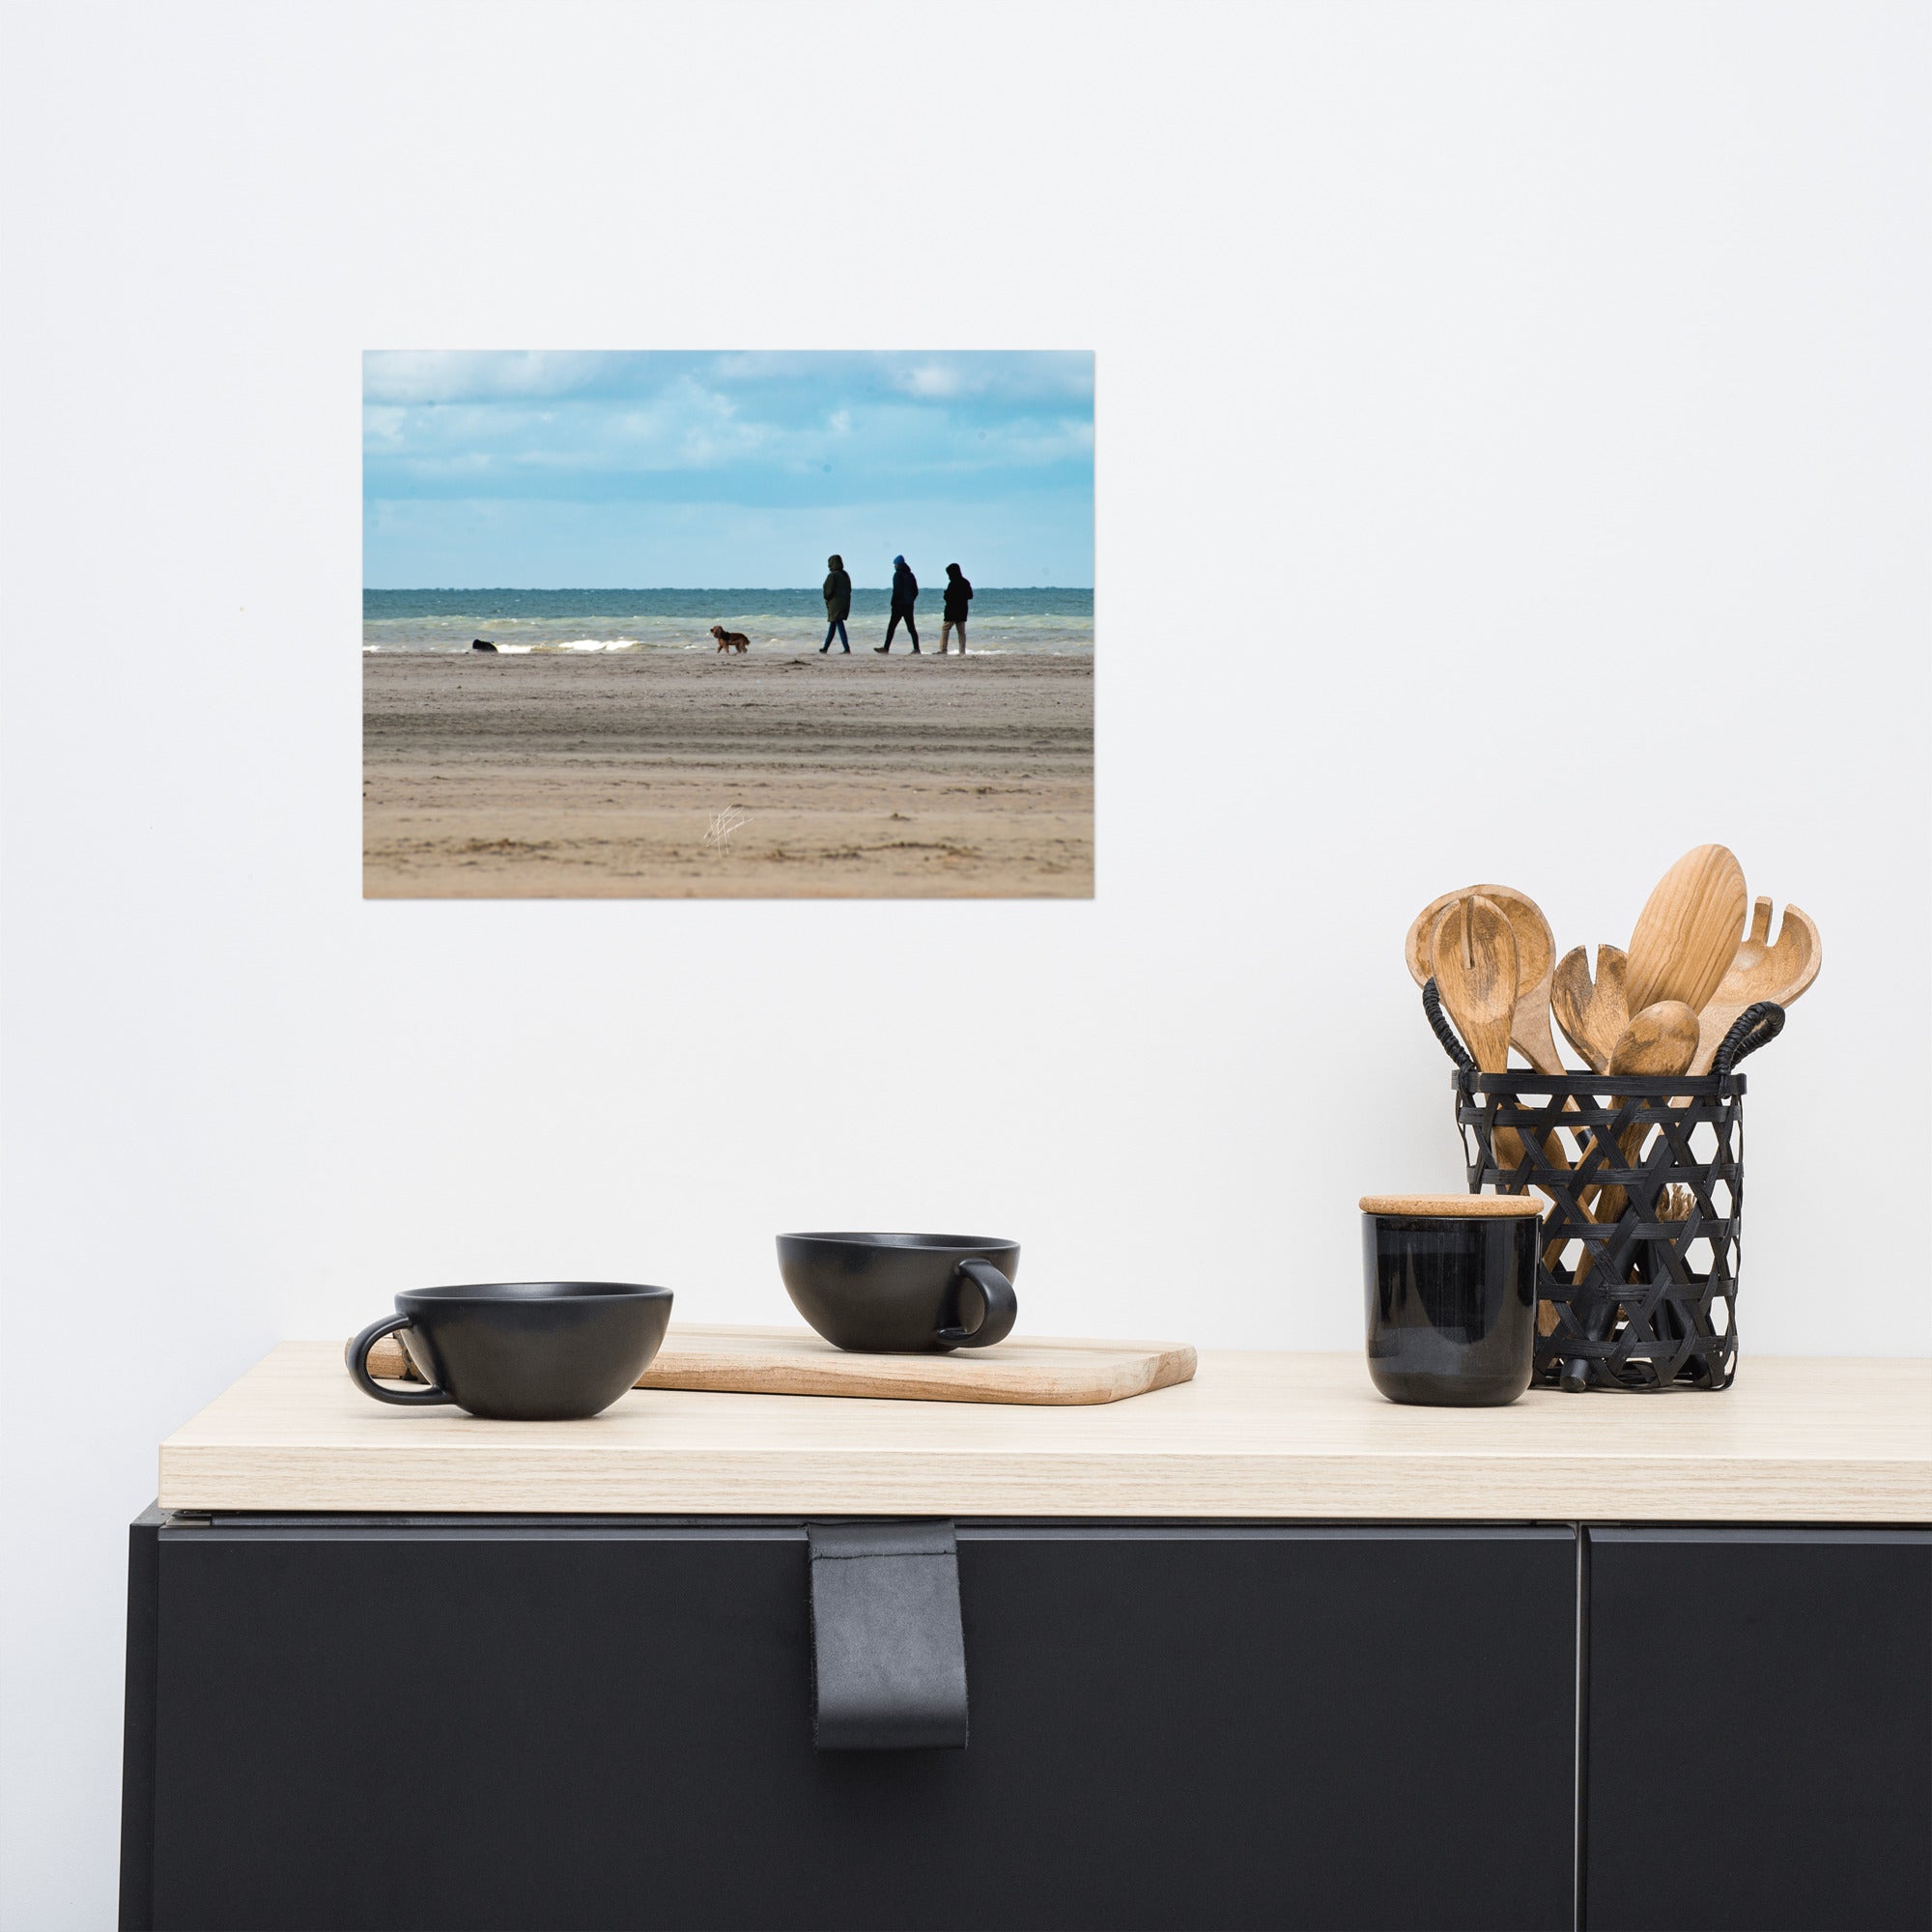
[605, 1723]
[1759, 1730]
[595, 1723]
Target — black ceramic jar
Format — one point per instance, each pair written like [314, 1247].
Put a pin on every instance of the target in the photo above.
[1450, 1281]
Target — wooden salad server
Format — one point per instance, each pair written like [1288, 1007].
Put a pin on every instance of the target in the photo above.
[1687, 935]
[1536, 960]
[1472, 955]
[1760, 970]
[1593, 1017]
[1472, 951]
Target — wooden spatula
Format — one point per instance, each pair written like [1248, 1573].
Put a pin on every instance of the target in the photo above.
[1760, 970]
[1688, 934]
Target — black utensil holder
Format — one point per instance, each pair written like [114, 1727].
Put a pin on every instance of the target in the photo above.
[1638, 1302]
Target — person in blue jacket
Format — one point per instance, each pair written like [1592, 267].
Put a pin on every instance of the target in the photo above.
[905, 595]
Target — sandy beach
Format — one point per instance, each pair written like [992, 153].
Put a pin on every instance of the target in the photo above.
[600, 777]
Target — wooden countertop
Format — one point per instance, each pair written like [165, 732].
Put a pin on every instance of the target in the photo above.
[1252, 1435]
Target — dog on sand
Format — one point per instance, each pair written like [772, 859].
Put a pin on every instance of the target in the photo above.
[730, 640]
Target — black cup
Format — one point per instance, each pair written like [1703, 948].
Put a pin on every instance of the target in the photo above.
[902, 1294]
[1451, 1306]
[521, 1350]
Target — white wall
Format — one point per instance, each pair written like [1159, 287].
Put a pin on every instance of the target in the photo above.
[1513, 431]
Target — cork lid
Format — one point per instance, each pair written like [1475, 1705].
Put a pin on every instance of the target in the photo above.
[1458, 1206]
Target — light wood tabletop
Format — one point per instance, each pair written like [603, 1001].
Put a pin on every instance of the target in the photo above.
[1253, 1435]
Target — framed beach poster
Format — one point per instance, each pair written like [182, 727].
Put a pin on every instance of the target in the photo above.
[727, 625]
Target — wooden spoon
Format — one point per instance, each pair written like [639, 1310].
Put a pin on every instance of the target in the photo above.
[1593, 1017]
[1760, 971]
[1659, 1043]
[1688, 934]
[1535, 958]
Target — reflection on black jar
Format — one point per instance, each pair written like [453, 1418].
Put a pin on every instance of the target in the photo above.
[1451, 1298]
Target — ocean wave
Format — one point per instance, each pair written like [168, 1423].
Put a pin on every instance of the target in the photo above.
[993, 631]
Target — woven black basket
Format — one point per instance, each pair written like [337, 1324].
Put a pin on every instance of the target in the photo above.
[1643, 1301]
[1644, 1298]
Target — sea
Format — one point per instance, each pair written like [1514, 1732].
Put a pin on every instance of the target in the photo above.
[1002, 621]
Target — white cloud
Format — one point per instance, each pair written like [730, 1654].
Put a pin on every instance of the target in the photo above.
[932, 379]
[588, 424]
[1012, 376]
[465, 374]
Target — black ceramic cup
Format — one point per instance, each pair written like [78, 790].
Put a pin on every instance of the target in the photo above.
[1451, 1288]
[520, 1351]
[902, 1294]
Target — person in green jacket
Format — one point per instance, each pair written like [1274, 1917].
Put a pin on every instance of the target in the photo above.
[838, 605]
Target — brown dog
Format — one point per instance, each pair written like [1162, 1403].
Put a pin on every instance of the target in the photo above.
[730, 640]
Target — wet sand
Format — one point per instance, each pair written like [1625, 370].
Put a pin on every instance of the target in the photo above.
[621, 777]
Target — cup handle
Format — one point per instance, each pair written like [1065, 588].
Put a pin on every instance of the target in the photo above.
[357, 1356]
[1002, 1308]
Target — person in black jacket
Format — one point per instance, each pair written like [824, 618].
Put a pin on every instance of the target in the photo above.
[905, 595]
[958, 593]
[838, 604]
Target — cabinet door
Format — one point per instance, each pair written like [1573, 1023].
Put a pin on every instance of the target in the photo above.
[1759, 1730]
[581, 1725]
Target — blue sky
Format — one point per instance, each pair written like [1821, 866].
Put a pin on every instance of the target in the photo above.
[553, 470]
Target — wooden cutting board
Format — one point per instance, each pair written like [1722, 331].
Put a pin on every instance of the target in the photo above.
[794, 1361]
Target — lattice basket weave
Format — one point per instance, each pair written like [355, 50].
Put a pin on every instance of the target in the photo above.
[1644, 1301]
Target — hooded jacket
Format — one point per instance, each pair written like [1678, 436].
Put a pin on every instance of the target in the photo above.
[837, 592]
[905, 585]
[959, 594]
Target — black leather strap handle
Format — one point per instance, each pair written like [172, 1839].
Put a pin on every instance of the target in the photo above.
[888, 1650]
